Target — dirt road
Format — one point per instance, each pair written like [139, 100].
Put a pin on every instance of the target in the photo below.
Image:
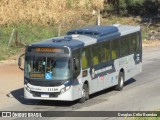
[11, 78]
[139, 93]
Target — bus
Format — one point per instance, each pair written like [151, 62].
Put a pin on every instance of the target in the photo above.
[83, 62]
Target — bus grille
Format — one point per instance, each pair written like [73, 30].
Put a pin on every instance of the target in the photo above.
[38, 94]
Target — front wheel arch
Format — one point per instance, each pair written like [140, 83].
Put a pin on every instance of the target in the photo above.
[85, 92]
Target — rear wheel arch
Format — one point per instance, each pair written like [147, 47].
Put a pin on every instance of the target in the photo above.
[122, 70]
[121, 80]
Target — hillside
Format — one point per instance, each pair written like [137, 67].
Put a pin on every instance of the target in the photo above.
[23, 22]
[45, 11]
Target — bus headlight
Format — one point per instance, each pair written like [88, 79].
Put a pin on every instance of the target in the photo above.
[65, 89]
[27, 88]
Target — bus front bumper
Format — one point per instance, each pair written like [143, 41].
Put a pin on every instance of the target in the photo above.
[65, 96]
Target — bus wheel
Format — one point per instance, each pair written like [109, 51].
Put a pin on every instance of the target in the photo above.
[84, 94]
[120, 85]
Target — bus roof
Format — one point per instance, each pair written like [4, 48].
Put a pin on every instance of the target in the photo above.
[95, 31]
[88, 35]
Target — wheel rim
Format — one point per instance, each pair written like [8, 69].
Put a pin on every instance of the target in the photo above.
[83, 93]
[121, 83]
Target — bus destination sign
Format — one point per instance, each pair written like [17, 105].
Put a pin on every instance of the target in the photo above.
[55, 50]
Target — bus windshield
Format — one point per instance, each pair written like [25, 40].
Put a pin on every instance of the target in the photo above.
[47, 68]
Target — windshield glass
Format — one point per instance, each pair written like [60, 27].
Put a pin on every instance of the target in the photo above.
[47, 68]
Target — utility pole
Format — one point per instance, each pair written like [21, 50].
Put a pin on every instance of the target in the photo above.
[98, 18]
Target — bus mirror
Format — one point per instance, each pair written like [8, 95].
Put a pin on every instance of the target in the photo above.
[20, 61]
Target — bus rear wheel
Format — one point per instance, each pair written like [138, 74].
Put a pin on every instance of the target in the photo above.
[84, 94]
[120, 85]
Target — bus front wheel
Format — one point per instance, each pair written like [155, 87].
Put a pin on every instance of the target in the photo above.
[84, 94]
[120, 85]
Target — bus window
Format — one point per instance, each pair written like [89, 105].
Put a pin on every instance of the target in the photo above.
[85, 57]
[132, 44]
[124, 46]
[76, 55]
[115, 49]
[138, 44]
[106, 51]
[96, 54]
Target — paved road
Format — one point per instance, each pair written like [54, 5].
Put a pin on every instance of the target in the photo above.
[140, 93]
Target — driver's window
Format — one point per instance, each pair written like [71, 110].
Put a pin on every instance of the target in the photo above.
[76, 59]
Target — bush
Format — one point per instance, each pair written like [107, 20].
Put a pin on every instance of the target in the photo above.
[131, 7]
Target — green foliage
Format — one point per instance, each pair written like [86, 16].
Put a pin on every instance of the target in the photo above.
[118, 8]
[146, 118]
[132, 7]
[2, 56]
[24, 34]
[135, 6]
[69, 3]
[122, 7]
[123, 4]
[134, 2]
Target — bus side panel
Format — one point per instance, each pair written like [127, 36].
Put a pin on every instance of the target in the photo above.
[131, 68]
[77, 88]
[105, 76]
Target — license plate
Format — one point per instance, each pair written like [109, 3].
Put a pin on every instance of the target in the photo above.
[45, 95]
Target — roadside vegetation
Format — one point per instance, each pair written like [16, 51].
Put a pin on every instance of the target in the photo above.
[23, 22]
[144, 118]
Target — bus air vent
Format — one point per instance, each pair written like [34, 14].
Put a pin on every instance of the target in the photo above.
[70, 37]
[57, 40]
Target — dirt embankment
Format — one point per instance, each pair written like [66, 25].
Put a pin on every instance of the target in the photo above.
[151, 43]
[11, 78]
[11, 60]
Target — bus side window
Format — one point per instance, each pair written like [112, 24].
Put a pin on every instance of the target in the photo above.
[85, 57]
[115, 49]
[124, 46]
[76, 55]
[96, 54]
[106, 51]
[132, 44]
[138, 44]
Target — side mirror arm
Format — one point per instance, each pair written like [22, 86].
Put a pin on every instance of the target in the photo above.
[20, 61]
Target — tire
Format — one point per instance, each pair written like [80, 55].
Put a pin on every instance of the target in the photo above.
[85, 94]
[120, 85]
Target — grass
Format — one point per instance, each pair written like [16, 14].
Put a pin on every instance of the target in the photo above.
[127, 21]
[24, 34]
[144, 118]
[44, 11]
[34, 20]
[27, 32]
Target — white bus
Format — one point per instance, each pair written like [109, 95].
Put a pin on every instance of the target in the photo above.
[83, 62]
